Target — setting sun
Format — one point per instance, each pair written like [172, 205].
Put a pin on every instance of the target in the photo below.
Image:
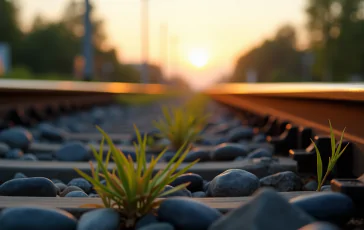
[198, 57]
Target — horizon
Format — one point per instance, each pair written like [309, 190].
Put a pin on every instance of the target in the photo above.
[215, 39]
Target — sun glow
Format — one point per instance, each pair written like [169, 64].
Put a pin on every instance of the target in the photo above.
[198, 57]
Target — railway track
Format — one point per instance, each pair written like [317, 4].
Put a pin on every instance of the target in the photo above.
[265, 119]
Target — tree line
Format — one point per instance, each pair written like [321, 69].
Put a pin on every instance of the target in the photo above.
[53, 49]
[335, 51]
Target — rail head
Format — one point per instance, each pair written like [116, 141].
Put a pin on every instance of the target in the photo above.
[322, 91]
[7, 85]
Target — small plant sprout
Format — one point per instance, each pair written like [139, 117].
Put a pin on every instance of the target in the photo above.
[335, 155]
[181, 125]
[132, 188]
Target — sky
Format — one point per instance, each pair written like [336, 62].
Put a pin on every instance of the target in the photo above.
[212, 33]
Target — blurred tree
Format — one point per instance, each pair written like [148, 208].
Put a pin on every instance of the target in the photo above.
[336, 32]
[48, 47]
[275, 60]
[9, 28]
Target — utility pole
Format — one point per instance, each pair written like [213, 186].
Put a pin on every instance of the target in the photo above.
[175, 49]
[145, 41]
[87, 44]
[164, 48]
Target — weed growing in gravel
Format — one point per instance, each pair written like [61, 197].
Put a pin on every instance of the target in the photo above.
[336, 153]
[181, 125]
[131, 187]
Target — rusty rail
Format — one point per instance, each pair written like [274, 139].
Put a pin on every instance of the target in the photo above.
[304, 104]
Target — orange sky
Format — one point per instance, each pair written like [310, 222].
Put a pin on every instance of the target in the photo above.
[223, 28]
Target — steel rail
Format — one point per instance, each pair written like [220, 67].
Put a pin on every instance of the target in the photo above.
[304, 104]
[19, 98]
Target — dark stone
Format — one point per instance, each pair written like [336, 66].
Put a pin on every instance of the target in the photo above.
[326, 188]
[54, 180]
[326, 206]
[81, 183]
[320, 226]
[187, 214]
[259, 138]
[182, 192]
[146, 220]
[61, 187]
[310, 186]
[75, 151]
[51, 133]
[195, 180]
[14, 154]
[258, 153]
[19, 175]
[158, 226]
[29, 157]
[70, 189]
[206, 185]
[36, 218]
[228, 152]
[100, 219]
[199, 194]
[76, 194]
[282, 182]
[35, 186]
[195, 154]
[93, 195]
[16, 138]
[266, 210]
[240, 133]
[4, 149]
[233, 183]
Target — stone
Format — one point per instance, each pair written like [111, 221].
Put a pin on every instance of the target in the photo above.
[326, 188]
[320, 225]
[195, 154]
[258, 153]
[51, 133]
[81, 183]
[266, 210]
[199, 194]
[60, 187]
[228, 152]
[16, 137]
[14, 154]
[233, 183]
[29, 157]
[195, 180]
[254, 146]
[36, 218]
[219, 129]
[4, 149]
[100, 219]
[55, 180]
[93, 195]
[206, 185]
[310, 186]
[187, 214]
[146, 220]
[34, 186]
[259, 138]
[333, 207]
[76, 194]
[182, 192]
[19, 175]
[158, 226]
[282, 182]
[70, 189]
[73, 151]
[240, 133]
